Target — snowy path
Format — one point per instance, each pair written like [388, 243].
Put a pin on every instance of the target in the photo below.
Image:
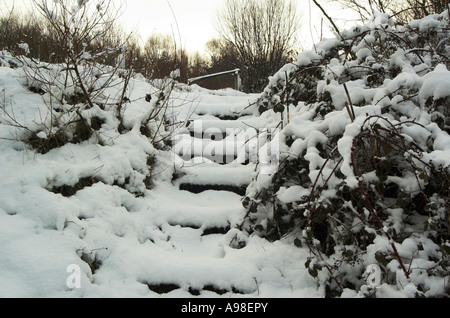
[203, 206]
[177, 239]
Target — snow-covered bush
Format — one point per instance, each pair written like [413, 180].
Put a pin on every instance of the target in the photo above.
[80, 89]
[38, 114]
[81, 100]
[364, 169]
[79, 82]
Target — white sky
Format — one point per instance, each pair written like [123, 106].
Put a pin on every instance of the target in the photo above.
[195, 19]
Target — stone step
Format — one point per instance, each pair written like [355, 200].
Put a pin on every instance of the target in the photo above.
[206, 210]
[209, 135]
[219, 159]
[224, 108]
[207, 125]
[213, 230]
[233, 177]
[233, 174]
[198, 188]
[208, 289]
[235, 116]
[225, 150]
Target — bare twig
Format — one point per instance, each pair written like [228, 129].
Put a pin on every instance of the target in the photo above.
[328, 17]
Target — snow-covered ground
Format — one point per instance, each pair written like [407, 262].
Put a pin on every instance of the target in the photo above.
[121, 214]
[106, 241]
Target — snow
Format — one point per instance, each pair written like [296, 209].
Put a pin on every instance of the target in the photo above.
[122, 235]
[214, 173]
[292, 194]
[436, 84]
[126, 234]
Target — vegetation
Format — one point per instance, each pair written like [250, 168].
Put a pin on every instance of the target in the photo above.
[261, 35]
[359, 180]
[364, 183]
[43, 40]
[403, 10]
[85, 81]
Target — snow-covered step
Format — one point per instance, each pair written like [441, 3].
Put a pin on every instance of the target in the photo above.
[205, 210]
[207, 173]
[198, 188]
[76, 206]
[213, 128]
[225, 104]
[229, 107]
[225, 150]
[232, 177]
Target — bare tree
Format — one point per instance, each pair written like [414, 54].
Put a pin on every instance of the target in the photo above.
[222, 55]
[263, 33]
[162, 57]
[160, 53]
[198, 65]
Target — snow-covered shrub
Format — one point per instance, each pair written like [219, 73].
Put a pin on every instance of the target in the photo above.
[81, 100]
[79, 82]
[80, 92]
[364, 177]
[44, 120]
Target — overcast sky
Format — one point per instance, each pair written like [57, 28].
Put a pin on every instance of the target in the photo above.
[195, 19]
